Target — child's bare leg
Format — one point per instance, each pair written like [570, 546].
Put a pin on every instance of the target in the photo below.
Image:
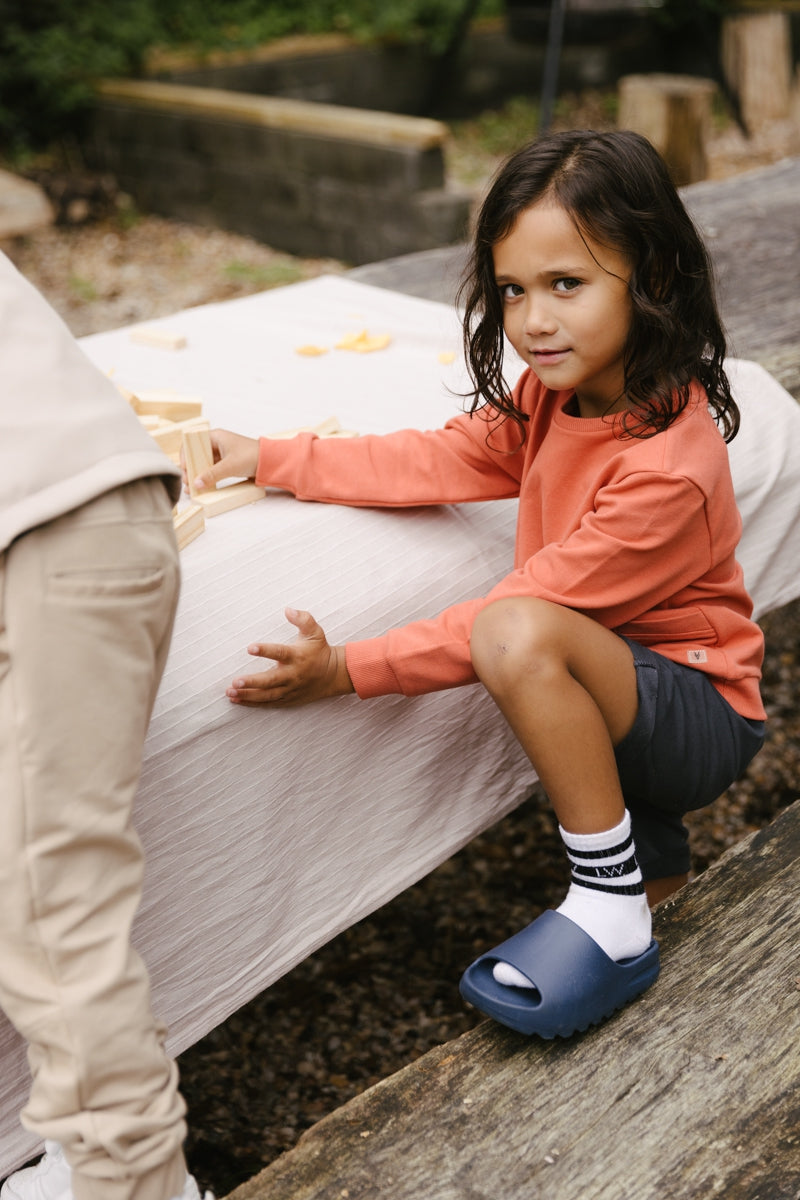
[567, 687]
[659, 889]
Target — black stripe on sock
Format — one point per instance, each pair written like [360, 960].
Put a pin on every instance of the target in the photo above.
[612, 850]
[626, 889]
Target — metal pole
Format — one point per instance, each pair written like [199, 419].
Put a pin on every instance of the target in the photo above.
[555, 33]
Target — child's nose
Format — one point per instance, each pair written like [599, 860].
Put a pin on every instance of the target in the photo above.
[539, 317]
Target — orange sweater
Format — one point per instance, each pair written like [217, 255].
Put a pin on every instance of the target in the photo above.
[638, 534]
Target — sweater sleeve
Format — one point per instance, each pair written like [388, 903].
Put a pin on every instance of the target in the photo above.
[403, 469]
[645, 539]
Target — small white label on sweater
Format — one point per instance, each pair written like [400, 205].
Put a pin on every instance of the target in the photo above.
[696, 656]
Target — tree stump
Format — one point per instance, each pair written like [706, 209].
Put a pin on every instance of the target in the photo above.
[674, 113]
[757, 64]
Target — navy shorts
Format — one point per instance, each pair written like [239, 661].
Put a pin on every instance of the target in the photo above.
[687, 745]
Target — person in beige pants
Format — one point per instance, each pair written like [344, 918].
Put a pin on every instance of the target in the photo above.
[89, 580]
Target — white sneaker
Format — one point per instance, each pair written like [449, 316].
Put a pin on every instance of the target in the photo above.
[50, 1180]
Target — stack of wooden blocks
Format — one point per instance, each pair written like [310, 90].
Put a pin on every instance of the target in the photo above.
[177, 424]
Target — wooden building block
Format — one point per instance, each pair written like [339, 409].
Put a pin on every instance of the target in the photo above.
[169, 434]
[131, 397]
[325, 428]
[235, 495]
[198, 457]
[168, 404]
[151, 335]
[189, 523]
[363, 342]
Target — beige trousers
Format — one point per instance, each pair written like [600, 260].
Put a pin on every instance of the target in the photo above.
[87, 604]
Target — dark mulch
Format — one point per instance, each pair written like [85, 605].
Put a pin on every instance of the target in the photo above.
[386, 991]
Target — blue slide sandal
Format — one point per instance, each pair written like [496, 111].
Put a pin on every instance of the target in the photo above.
[576, 983]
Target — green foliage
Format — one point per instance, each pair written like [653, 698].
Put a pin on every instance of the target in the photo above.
[497, 132]
[220, 23]
[51, 50]
[84, 289]
[275, 274]
[50, 53]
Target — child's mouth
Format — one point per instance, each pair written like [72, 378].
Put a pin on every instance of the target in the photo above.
[549, 358]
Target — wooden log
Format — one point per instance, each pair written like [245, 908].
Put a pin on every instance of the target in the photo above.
[751, 224]
[692, 1091]
[674, 113]
[757, 64]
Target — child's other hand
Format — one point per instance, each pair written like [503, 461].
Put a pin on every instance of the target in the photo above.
[235, 457]
[308, 669]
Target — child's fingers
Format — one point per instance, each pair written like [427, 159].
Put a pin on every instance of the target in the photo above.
[235, 456]
[272, 685]
[304, 623]
[277, 651]
[259, 689]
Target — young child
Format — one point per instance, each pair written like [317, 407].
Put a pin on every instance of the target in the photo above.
[620, 648]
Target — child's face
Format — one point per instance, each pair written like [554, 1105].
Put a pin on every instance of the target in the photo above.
[566, 306]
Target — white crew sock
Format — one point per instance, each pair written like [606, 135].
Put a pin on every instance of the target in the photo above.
[606, 897]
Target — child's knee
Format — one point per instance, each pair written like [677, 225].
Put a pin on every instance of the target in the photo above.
[510, 636]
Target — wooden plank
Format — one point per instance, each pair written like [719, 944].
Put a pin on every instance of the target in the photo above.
[692, 1091]
[277, 112]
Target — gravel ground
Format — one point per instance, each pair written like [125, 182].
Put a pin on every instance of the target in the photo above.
[385, 991]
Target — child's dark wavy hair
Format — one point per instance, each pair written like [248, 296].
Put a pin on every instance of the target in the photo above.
[617, 190]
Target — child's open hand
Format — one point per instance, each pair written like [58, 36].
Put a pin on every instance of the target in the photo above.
[235, 457]
[308, 669]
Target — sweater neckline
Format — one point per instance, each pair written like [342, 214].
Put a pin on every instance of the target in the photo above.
[578, 424]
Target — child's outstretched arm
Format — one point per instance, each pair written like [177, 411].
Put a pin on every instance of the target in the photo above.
[305, 670]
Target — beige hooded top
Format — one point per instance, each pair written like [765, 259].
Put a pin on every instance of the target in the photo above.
[66, 433]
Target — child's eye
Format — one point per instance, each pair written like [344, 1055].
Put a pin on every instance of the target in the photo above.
[510, 291]
[566, 284]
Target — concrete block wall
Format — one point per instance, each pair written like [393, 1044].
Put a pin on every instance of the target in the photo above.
[491, 65]
[312, 179]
